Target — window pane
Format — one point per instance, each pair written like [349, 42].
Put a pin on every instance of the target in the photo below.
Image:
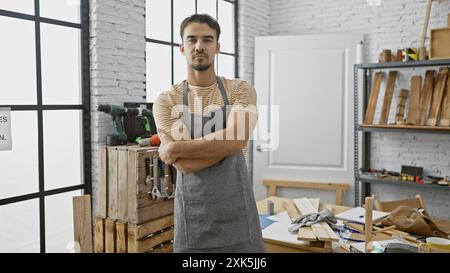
[59, 222]
[157, 14]
[63, 160]
[159, 71]
[179, 66]
[22, 6]
[19, 168]
[68, 10]
[226, 66]
[226, 21]
[17, 62]
[19, 227]
[61, 79]
[181, 10]
[207, 6]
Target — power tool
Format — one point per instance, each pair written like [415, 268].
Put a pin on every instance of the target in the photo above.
[117, 112]
[139, 123]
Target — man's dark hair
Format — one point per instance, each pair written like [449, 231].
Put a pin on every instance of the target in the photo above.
[203, 19]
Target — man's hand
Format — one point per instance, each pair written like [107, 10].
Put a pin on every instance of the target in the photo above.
[166, 150]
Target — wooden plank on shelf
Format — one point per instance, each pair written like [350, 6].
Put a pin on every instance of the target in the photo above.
[438, 95]
[386, 108]
[445, 116]
[82, 222]
[414, 101]
[444, 121]
[370, 111]
[399, 115]
[426, 97]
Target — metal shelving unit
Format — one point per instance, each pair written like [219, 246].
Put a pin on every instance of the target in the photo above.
[371, 180]
[365, 131]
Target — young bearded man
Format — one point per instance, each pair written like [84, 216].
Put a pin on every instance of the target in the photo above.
[204, 124]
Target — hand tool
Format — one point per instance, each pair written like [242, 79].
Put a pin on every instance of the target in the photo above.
[117, 112]
[151, 141]
[168, 185]
[156, 194]
[139, 123]
[149, 171]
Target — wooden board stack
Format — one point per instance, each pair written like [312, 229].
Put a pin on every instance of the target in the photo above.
[429, 105]
[318, 237]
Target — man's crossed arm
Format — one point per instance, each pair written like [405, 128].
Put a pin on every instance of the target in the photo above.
[194, 155]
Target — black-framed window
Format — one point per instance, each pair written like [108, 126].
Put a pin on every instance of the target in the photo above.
[165, 65]
[44, 80]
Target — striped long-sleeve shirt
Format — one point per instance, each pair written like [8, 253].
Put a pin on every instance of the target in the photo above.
[168, 107]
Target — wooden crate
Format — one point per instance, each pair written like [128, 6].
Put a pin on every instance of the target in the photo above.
[154, 236]
[440, 43]
[122, 192]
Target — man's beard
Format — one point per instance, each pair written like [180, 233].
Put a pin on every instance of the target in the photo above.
[201, 67]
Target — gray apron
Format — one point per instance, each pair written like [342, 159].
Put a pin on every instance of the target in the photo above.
[215, 209]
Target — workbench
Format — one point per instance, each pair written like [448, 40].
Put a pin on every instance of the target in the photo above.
[275, 246]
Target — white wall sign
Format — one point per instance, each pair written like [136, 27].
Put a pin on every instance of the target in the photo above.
[5, 129]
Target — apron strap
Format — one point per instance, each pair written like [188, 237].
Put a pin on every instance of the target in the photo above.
[223, 92]
[186, 114]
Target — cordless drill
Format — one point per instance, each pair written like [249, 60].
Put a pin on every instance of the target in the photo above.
[150, 126]
[117, 112]
[138, 123]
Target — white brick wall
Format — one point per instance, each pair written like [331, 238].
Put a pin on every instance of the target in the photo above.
[395, 24]
[254, 20]
[117, 48]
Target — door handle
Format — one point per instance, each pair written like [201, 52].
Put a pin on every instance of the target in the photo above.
[259, 148]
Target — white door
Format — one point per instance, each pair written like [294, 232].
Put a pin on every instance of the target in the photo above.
[305, 101]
